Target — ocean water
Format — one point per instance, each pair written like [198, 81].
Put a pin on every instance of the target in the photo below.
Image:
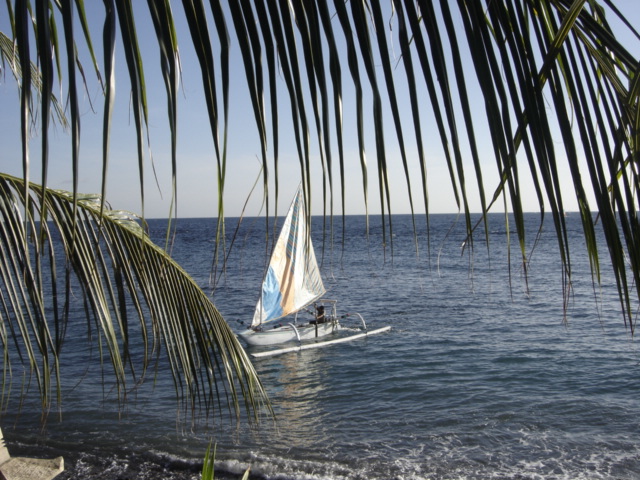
[484, 374]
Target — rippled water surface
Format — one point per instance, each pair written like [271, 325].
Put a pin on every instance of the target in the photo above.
[481, 376]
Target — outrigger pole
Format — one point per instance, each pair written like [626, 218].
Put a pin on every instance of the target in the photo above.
[309, 346]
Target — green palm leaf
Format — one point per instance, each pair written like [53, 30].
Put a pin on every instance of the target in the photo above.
[135, 294]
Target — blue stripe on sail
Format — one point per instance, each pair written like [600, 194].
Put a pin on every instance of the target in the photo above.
[271, 296]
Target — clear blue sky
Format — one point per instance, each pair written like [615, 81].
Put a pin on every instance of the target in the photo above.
[196, 175]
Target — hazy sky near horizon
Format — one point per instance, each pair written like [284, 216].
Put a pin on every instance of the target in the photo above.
[197, 186]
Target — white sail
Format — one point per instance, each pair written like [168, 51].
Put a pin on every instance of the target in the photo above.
[293, 279]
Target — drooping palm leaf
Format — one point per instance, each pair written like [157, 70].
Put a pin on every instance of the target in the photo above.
[135, 294]
[9, 57]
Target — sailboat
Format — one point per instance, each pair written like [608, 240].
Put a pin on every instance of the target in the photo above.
[292, 285]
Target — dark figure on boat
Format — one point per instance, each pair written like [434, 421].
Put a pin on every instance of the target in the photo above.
[320, 318]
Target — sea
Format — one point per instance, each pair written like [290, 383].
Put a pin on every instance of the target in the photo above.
[493, 368]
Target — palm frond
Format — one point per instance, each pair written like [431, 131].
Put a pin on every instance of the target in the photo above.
[9, 56]
[135, 294]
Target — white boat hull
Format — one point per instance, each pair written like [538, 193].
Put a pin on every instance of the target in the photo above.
[287, 333]
[325, 343]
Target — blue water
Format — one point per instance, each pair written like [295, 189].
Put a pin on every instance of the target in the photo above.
[483, 375]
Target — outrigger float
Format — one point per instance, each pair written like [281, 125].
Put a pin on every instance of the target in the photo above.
[325, 343]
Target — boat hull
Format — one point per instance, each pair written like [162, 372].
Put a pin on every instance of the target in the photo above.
[287, 333]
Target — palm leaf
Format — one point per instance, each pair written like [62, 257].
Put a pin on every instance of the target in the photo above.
[8, 54]
[113, 260]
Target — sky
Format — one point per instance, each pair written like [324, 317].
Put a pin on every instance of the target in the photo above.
[197, 191]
